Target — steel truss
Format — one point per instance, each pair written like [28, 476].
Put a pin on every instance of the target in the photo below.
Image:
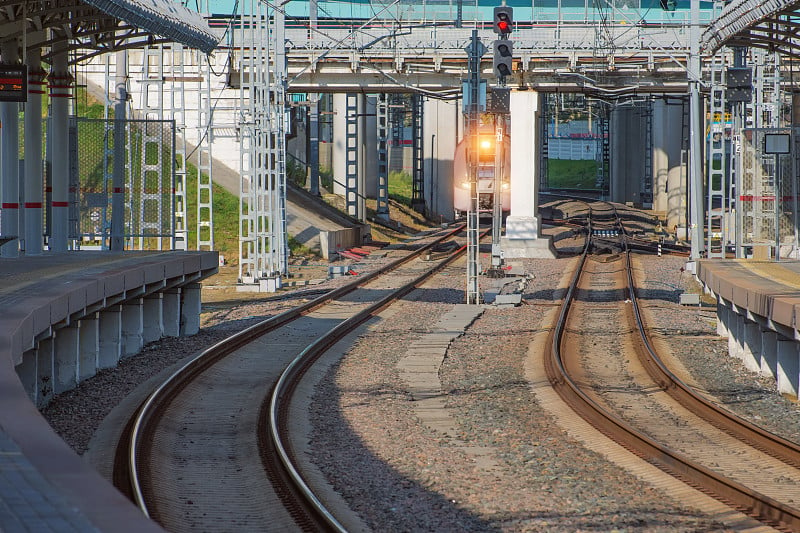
[717, 136]
[263, 250]
[382, 203]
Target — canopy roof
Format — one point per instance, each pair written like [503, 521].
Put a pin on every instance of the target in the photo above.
[94, 27]
[771, 24]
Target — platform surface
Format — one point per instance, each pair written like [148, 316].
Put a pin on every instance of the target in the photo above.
[44, 485]
[768, 289]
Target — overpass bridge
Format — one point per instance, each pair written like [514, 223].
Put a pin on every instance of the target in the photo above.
[575, 57]
[637, 58]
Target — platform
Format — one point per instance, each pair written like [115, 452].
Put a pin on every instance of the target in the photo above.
[59, 317]
[758, 303]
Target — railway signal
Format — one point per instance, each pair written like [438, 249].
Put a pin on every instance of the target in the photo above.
[503, 20]
[503, 55]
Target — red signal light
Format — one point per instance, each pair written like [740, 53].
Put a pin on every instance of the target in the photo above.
[503, 17]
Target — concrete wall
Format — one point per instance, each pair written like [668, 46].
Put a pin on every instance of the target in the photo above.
[440, 129]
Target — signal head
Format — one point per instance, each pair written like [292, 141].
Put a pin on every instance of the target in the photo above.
[503, 20]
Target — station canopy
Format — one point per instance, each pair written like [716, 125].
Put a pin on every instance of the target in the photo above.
[769, 24]
[94, 27]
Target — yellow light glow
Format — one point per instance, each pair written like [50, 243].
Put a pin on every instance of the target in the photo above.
[486, 144]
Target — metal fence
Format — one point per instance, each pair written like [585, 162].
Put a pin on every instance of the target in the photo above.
[149, 176]
[768, 195]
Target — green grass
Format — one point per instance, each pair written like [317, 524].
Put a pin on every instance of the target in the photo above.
[226, 220]
[571, 174]
[226, 216]
[400, 187]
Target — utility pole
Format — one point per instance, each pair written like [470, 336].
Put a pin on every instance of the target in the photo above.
[472, 102]
[695, 132]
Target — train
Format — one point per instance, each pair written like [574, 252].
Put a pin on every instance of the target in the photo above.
[487, 144]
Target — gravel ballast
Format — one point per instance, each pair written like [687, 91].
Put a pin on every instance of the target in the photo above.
[400, 475]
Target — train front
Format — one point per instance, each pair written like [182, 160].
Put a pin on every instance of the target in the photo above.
[487, 165]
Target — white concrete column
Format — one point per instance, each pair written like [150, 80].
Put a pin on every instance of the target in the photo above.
[788, 367]
[89, 346]
[723, 317]
[132, 327]
[736, 337]
[440, 126]
[110, 337]
[9, 159]
[60, 84]
[27, 373]
[34, 179]
[66, 358]
[669, 184]
[522, 225]
[45, 371]
[769, 353]
[751, 346]
[190, 309]
[152, 316]
[171, 312]
[339, 155]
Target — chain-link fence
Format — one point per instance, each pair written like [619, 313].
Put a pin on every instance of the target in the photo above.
[149, 176]
[768, 196]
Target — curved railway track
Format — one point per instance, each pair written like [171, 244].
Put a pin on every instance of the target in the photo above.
[603, 365]
[188, 459]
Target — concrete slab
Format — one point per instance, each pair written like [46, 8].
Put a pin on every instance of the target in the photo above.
[42, 481]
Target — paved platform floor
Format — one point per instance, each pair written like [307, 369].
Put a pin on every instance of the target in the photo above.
[44, 485]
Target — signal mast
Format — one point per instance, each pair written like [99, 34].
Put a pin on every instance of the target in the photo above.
[501, 67]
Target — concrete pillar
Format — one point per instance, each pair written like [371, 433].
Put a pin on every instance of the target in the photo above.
[669, 183]
[66, 358]
[110, 341]
[45, 371]
[522, 225]
[34, 179]
[27, 373]
[788, 366]
[190, 309]
[769, 353]
[60, 84]
[132, 327]
[152, 316]
[751, 346]
[9, 159]
[723, 317]
[441, 127]
[89, 346]
[736, 337]
[339, 155]
[171, 312]
[627, 149]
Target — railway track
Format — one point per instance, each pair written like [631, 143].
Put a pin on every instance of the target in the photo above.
[603, 365]
[189, 456]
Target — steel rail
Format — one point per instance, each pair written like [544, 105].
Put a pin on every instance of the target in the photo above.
[177, 380]
[281, 395]
[740, 428]
[734, 493]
